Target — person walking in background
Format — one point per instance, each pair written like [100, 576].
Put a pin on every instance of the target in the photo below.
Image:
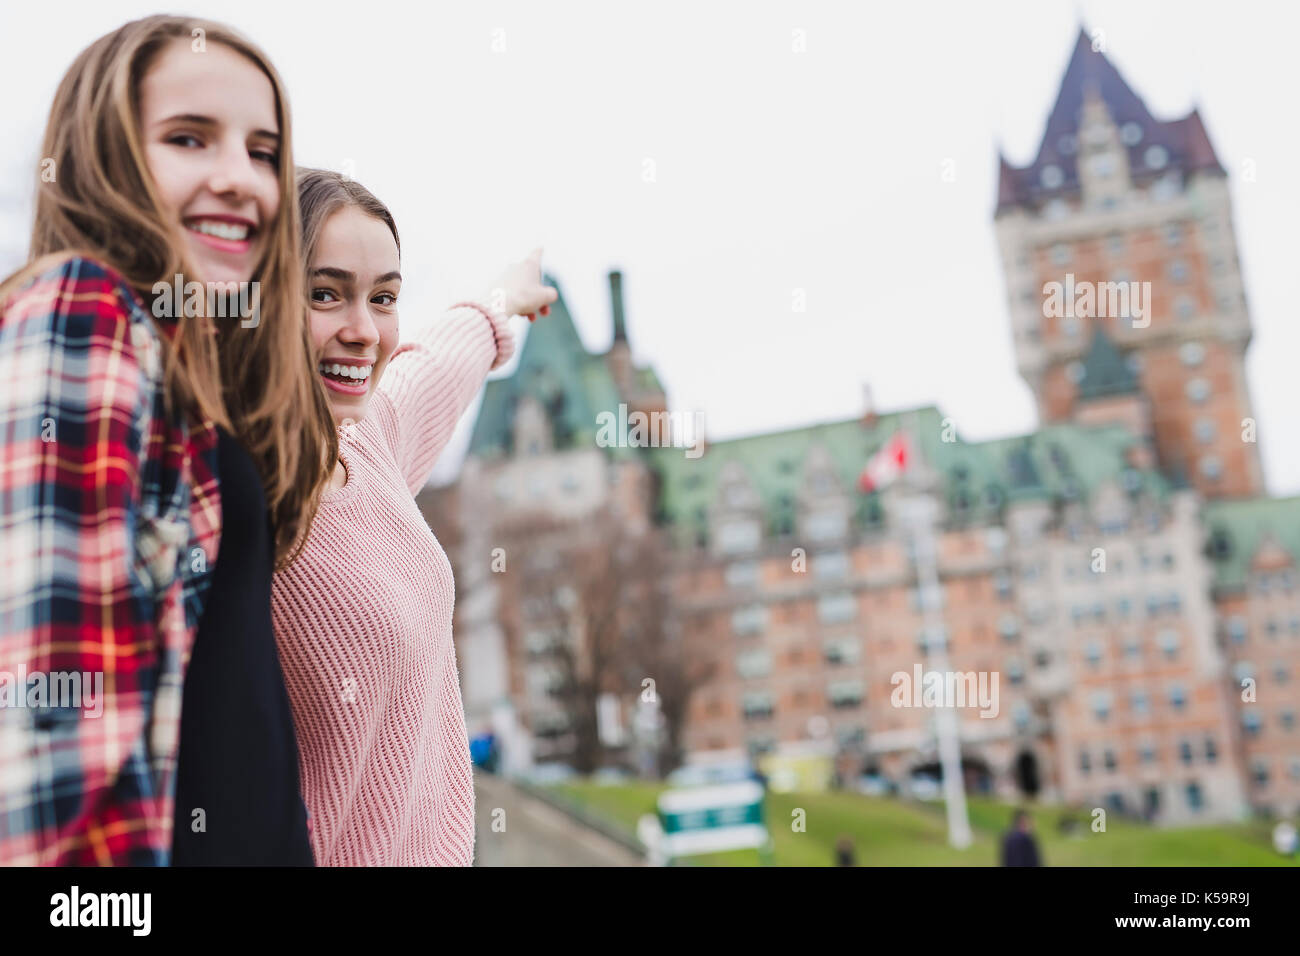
[844, 852]
[1019, 848]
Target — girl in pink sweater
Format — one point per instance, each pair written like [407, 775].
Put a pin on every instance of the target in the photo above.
[363, 616]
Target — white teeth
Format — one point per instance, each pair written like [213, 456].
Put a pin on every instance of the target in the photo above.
[358, 373]
[222, 230]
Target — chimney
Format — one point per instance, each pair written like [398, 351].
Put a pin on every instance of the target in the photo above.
[868, 407]
[616, 303]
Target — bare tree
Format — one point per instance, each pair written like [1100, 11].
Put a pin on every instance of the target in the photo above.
[608, 593]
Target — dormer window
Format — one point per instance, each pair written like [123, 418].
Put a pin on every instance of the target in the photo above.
[1102, 165]
[1157, 157]
[1051, 177]
[1130, 134]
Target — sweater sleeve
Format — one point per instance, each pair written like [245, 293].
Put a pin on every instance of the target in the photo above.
[431, 381]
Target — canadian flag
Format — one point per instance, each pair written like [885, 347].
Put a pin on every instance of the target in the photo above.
[887, 464]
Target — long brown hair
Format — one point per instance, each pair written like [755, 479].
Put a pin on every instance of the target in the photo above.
[102, 203]
[322, 193]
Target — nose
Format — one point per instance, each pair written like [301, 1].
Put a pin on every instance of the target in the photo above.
[232, 174]
[358, 326]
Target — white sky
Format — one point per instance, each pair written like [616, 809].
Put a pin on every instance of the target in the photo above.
[775, 171]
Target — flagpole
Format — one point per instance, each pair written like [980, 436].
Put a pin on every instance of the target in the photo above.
[919, 512]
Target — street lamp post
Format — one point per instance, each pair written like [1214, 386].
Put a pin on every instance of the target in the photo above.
[918, 512]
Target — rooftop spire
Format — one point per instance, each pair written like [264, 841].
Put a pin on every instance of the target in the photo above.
[616, 304]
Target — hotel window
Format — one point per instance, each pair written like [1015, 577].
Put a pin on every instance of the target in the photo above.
[1101, 704]
[1211, 750]
[831, 566]
[1237, 629]
[1244, 670]
[1184, 307]
[1051, 177]
[1015, 670]
[1147, 753]
[1008, 627]
[736, 536]
[756, 705]
[826, 525]
[1287, 718]
[1115, 245]
[928, 640]
[1280, 673]
[842, 694]
[755, 663]
[1250, 723]
[1177, 697]
[1093, 653]
[1192, 354]
[844, 650]
[1195, 800]
[1132, 646]
[1174, 234]
[1102, 165]
[750, 619]
[1156, 157]
[1060, 254]
[1259, 771]
[1140, 703]
[1020, 714]
[1002, 584]
[1123, 606]
[1166, 187]
[1085, 762]
[1204, 431]
[837, 608]
[1108, 758]
[1198, 390]
[1185, 751]
[1211, 467]
[1168, 641]
[742, 574]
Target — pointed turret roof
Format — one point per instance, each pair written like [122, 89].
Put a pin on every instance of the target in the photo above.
[1183, 143]
[571, 384]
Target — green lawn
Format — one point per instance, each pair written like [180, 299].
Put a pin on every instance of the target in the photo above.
[892, 832]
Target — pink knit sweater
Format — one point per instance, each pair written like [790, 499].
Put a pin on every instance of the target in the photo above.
[363, 622]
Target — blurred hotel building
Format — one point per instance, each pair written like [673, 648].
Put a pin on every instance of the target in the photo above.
[1121, 568]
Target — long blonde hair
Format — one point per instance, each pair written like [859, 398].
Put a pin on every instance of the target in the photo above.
[102, 202]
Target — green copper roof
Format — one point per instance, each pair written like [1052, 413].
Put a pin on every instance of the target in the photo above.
[1236, 528]
[1105, 372]
[573, 385]
[1062, 460]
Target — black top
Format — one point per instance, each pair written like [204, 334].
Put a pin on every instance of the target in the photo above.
[238, 759]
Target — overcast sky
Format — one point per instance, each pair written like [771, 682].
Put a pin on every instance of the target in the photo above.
[775, 171]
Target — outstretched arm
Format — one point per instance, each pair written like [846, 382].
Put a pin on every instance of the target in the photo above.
[431, 381]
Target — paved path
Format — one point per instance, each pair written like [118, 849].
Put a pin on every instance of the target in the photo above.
[536, 834]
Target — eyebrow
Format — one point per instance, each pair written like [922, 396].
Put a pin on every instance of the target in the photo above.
[199, 120]
[343, 275]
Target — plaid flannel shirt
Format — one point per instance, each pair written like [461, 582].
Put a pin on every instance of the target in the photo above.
[109, 526]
